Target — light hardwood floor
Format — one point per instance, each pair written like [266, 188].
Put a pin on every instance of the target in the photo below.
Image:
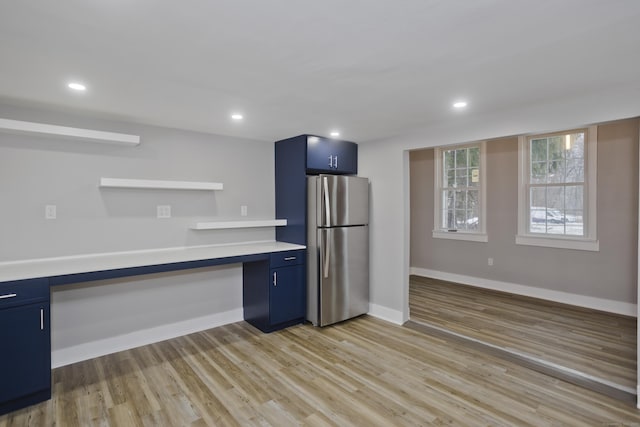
[363, 372]
[599, 344]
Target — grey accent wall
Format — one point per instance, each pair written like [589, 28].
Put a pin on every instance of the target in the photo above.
[610, 273]
[90, 319]
[37, 170]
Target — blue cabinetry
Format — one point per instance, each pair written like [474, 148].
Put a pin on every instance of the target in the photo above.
[274, 291]
[331, 156]
[25, 358]
[297, 157]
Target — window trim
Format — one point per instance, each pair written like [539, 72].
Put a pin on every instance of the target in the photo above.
[473, 236]
[589, 242]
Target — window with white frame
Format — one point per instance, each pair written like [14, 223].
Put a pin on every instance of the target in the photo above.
[557, 199]
[459, 208]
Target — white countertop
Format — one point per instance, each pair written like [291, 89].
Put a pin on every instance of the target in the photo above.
[58, 266]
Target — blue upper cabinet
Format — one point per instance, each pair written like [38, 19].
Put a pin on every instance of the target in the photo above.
[332, 156]
[315, 154]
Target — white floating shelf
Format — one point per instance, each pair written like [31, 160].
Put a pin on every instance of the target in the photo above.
[239, 224]
[160, 185]
[18, 126]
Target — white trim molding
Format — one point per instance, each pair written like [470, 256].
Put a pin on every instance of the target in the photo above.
[387, 314]
[93, 349]
[460, 235]
[587, 243]
[438, 231]
[601, 304]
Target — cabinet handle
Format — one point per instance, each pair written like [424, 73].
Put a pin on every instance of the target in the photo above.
[331, 161]
[42, 319]
[335, 161]
[8, 296]
[290, 258]
[275, 278]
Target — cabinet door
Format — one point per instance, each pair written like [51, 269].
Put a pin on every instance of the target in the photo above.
[25, 366]
[287, 294]
[331, 156]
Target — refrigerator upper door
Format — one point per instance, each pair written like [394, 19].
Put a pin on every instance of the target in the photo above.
[342, 200]
[343, 273]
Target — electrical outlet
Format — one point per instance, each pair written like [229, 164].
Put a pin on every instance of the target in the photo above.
[50, 212]
[164, 211]
[490, 261]
[243, 210]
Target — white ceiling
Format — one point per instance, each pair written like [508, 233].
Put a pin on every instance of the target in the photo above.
[370, 68]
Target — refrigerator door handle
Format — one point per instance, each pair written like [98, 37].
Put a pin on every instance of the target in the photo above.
[327, 207]
[327, 254]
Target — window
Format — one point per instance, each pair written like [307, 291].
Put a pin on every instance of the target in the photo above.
[460, 192]
[557, 200]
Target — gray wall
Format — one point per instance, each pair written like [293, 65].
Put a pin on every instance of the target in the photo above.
[94, 318]
[610, 273]
[36, 171]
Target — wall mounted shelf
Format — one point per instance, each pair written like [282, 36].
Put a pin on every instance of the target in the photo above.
[18, 126]
[220, 225]
[159, 184]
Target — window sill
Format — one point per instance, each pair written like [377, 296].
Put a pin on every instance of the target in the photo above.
[460, 235]
[558, 242]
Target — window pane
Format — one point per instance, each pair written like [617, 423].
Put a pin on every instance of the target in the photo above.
[449, 160]
[461, 158]
[556, 148]
[539, 150]
[575, 170]
[575, 147]
[461, 177]
[461, 219]
[474, 157]
[461, 200]
[472, 220]
[574, 208]
[539, 172]
[451, 178]
[556, 172]
[473, 201]
[448, 219]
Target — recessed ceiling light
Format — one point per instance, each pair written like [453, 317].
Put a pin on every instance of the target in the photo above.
[335, 133]
[236, 116]
[460, 104]
[77, 86]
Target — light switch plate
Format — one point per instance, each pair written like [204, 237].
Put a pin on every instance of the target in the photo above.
[50, 212]
[243, 210]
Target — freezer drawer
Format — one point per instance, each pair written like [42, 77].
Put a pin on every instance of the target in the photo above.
[343, 270]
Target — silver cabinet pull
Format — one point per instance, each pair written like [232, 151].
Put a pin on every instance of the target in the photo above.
[290, 258]
[275, 278]
[8, 296]
[335, 161]
[42, 319]
[330, 161]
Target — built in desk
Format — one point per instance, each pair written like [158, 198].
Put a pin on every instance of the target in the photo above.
[274, 296]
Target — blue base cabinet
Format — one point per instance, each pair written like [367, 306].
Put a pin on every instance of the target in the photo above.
[274, 291]
[25, 358]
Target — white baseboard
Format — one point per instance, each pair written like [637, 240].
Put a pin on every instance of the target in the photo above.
[384, 313]
[611, 306]
[90, 350]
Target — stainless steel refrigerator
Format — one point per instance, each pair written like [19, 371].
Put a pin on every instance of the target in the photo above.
[337, 248]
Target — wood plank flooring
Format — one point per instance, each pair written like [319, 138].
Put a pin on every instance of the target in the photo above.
[599, 344]
[363, 372]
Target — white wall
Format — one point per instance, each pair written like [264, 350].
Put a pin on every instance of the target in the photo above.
[89, 319]
[384, 162]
